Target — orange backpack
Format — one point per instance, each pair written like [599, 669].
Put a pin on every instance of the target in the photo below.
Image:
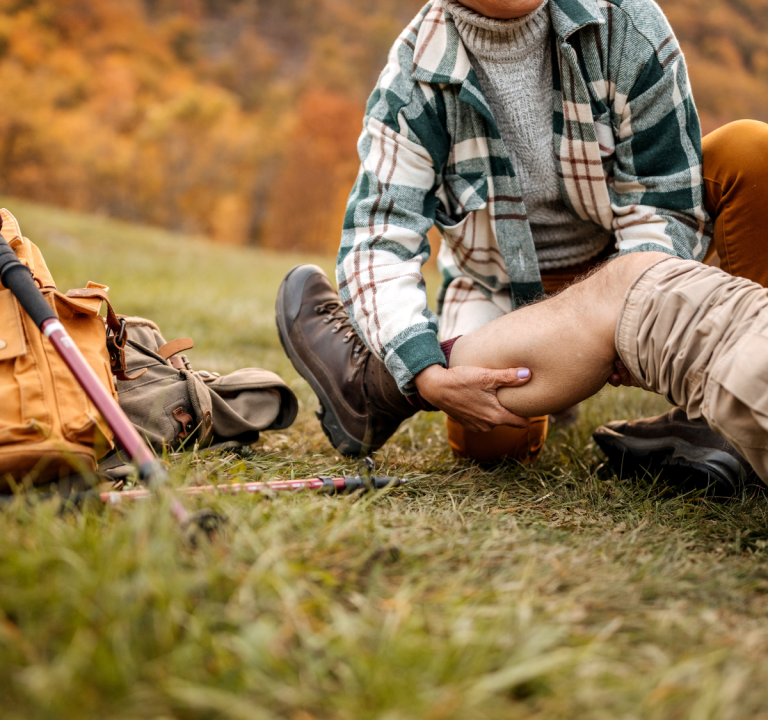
[48, 426]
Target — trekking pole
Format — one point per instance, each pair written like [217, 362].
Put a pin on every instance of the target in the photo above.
[17, 278]
[324, 485]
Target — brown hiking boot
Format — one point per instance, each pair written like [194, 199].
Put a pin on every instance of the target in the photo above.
[360, 403]
[683, 452]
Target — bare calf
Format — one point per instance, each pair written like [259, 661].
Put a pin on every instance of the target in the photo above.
[567, 341]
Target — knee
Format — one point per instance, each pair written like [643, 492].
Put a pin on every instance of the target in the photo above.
[602, 296]
[738, 149]
[626, 268]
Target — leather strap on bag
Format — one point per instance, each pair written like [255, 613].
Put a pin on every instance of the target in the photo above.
[187, 423]
[117, 337]
[173, 348]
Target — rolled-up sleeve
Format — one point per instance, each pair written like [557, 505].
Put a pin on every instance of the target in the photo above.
[384, 245]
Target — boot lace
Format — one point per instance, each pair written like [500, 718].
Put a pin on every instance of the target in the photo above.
[337, 317]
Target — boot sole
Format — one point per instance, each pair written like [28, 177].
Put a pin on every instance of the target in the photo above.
[706, 464]
[344, 442]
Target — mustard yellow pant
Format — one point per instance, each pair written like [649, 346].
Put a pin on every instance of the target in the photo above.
[735, 169]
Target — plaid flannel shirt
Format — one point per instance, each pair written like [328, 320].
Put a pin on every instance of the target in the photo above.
[627, 144]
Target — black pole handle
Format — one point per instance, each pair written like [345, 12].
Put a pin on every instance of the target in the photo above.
[18, 279]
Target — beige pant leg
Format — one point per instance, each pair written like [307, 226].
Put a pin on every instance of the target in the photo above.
[466, 308]
[699, 337]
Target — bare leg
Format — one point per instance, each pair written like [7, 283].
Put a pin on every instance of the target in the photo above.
[568, 342]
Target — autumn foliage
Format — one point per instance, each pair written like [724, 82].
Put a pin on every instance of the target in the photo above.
[238, 118]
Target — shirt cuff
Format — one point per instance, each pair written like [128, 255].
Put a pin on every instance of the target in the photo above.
[412, 356]
[647, 247]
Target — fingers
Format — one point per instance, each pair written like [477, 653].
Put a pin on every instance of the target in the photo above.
[516, 421]
[508, 377]
[468, 395]
[626, 379]
[499, 415]
[483, 418]
[486, 424]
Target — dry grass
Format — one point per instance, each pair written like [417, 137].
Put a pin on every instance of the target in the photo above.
[553, 592]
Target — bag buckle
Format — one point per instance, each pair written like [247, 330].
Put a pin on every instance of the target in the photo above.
[121, 339]
[117, 339]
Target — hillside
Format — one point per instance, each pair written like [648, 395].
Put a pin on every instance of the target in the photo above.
[238, 118]
[554, 592]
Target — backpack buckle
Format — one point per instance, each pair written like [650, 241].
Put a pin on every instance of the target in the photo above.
[116, 342]
[121, 339]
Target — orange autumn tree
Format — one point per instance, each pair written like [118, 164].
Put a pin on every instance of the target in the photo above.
[238, 119]
[102, 115]
[310, 192]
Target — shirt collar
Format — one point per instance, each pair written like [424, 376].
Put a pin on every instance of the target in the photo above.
[439, 56]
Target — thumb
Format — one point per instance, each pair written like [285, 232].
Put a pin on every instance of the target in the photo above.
[511, 377]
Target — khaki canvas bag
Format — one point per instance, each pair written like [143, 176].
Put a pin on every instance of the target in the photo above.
[48, 426]
[175, 407]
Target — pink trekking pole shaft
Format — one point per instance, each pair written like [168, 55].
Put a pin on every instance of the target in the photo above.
[17, 278]
[322, 485]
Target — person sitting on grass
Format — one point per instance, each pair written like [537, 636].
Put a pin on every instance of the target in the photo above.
[686, 330]
[542, 137]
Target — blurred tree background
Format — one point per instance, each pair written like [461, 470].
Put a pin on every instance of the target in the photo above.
[238, 119]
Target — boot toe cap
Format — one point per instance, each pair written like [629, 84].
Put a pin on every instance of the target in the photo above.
[291, 293]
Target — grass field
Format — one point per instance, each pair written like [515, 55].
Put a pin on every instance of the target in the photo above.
[553, 592]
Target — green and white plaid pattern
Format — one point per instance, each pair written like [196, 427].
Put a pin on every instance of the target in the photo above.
[626, 139]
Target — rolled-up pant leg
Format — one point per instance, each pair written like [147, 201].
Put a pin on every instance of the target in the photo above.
[699, 337]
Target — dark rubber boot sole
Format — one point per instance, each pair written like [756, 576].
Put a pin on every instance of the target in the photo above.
[345, 443]
[703, 466]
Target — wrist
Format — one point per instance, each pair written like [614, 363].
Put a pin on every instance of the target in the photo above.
[428, 379]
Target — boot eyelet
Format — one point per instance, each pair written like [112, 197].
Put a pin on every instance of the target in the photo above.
[327, 320]
[334, 330]
[346, 339]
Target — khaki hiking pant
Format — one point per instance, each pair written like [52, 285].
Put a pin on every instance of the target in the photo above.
[735, 169]
[699, 337]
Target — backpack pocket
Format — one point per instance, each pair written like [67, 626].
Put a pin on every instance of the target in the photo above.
[24, 415]
[249, 400]
[80, 421]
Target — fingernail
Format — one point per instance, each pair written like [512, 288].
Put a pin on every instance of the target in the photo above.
[523, 373]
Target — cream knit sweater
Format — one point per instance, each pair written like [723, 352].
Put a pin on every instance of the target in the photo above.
[513, 62]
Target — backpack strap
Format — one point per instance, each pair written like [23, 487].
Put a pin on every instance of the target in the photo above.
[117, 335]
[173, 348]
